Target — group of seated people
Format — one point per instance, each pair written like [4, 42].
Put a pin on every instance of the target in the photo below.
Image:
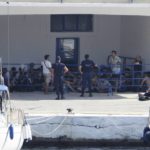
[22, 79]
[30, 78]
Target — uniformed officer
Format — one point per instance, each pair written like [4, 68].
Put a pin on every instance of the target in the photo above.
[58, 74]
[86, 69]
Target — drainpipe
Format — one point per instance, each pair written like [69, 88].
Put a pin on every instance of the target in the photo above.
[131, 1]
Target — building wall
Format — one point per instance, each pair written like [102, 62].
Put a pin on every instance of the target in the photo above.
[135, 37]
[30, 38]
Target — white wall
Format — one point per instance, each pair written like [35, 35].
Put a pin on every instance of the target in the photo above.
[135, 37]
[30, 38]
[89, 127]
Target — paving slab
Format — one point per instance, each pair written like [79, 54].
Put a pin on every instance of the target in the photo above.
[99, 104]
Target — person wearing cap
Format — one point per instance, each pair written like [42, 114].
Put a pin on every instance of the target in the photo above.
[59, 69]
[86, 69]
[47, 72]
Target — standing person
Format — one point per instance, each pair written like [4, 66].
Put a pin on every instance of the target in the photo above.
[1, 78]
[59, 69]
[86, 69]
[47, 72]
[115, 63]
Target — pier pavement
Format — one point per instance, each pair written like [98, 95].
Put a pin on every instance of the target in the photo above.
[101, 117]
[99, 104]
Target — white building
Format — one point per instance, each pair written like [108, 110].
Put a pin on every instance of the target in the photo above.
[28, 30]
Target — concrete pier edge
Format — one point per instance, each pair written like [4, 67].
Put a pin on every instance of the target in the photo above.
[126, 131]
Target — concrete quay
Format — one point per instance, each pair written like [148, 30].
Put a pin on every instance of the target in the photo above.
[102, 117]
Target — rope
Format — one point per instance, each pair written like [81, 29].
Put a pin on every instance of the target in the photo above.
[31, 119]
[119, 128]
[5, 138]
[51, 132]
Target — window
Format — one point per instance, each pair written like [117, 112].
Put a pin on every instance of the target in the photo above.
[71, 23]
[57, 23]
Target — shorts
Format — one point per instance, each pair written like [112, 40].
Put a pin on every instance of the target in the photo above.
[47, 78]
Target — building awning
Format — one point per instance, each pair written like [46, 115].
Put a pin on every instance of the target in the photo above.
[32, 8]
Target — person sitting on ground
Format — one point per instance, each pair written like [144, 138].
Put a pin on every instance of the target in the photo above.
[146, 80]
[146, 95]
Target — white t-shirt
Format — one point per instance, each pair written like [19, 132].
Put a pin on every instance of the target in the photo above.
[1, 80]
[46, 66]
[115, 63]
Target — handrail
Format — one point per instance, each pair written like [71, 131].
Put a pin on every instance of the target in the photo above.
[128, 77]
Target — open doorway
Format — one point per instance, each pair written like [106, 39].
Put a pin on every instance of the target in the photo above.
[68, 49]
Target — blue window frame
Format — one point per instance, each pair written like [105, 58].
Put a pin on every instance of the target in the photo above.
[71, 23]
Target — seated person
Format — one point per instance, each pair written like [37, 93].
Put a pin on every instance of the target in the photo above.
[146, 95]
[137, 64]
[146, 134]
[146, 81]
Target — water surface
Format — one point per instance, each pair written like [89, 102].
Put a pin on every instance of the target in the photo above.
[80, 148]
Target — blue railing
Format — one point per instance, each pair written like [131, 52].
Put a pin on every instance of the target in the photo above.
[103, 77]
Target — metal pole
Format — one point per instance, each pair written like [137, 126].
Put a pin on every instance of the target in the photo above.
[0, 65]
[8, 39]
[148, 118]
[1, 70]
[131, 1]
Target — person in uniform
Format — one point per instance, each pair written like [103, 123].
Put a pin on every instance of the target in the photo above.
[59, 69]
[86, 69]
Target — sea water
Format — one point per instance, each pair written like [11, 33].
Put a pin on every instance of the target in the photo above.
[80, 148]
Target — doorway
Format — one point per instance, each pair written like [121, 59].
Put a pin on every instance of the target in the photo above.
[68, 50]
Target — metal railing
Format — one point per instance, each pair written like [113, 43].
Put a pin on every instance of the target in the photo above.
[129, 78]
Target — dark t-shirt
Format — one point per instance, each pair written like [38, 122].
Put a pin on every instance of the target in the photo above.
[138, 66]
[58, 69]
[87, 66]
